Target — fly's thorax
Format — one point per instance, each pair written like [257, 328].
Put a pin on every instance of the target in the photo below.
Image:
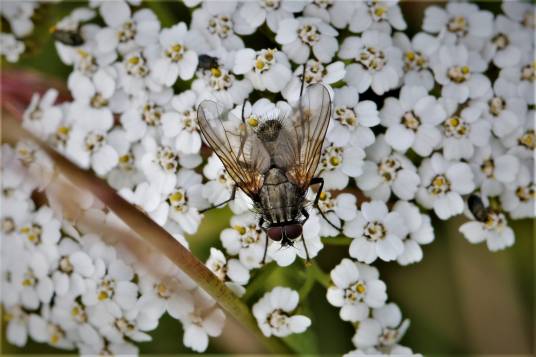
[269, 130]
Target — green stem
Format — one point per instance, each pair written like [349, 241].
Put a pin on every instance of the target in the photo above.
[259, 281]
[337, 240]
[319, 275]
[310, 279]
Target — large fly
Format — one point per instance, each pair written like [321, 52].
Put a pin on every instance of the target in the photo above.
[275, 163]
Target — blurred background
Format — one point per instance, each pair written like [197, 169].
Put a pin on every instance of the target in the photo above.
[461, 299]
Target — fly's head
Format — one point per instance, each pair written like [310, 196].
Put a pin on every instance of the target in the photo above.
[286, 234]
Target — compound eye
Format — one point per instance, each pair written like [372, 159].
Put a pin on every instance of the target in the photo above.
[275, 233]
[293, 231]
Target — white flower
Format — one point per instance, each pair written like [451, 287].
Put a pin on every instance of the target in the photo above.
[143, 117]
[231, 271]
[219, 187]
[92, 96]
[160, 164]
[518, 197]
[315, 72]
[148, 197]
[495, 231]
[342, 207]
[220, 85]
[18, 15]
[245, 239]
[206, 320]
[459, 24]
[266, 69]
[125, 33]
[504, 113]
[520, 12]
[417, 56]
[522, 141]
[273, 12]
[376, 232]
[357, 289]
[384, 329]
[520, 79]
[42, 117]
[274, 313]
[302, 35]
[112, 284]
[420, 232]
[175, 57]
[43, 330]
[162, 289]
[493, 169]
[73, 267]
[387, 171]
[352, 119]
[338, 163]
[459, 71]
[507, 44]
[308, 246]
[181, 123]
[125, 174]
[185, 200]
[442, 184]
[412, 120]
[116, 324]
[378, 64]
[217, 23]
[376, 15]
[463, 130]
[10, 47]
[17, 325]
[90, 148]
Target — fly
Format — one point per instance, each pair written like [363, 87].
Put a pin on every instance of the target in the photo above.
[275, 163]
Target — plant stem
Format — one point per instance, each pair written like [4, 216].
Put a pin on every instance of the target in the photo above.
[319, 275]
[151, 232]
[337, 240]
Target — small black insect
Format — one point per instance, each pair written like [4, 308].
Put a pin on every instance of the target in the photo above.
[477, 208]
[274, 163]
[68, 37]
[207, 62]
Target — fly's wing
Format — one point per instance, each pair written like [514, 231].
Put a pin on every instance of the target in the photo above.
[244, 156]
[299, 145]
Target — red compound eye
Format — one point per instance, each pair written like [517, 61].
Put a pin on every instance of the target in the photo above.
[275, 233]
[293, 231]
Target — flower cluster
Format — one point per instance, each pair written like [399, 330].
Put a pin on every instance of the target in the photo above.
[362, 296]
[18, 14]
[65, 285]
[418, 125]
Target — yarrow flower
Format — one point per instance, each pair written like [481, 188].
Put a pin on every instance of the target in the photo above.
[274, 313]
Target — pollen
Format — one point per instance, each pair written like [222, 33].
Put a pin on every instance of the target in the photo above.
[360, 288]
[134, 60]
[252, 121]
[335, 161]
[177, 196]
[240, 229]
[410, 55]
[103, 295]
[216, 72]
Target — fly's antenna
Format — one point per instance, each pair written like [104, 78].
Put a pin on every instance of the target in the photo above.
[303, 79]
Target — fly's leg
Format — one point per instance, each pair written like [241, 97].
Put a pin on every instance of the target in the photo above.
[244, 111]
[261, 222]
[320, 181]
[233, 193]
[306, 217]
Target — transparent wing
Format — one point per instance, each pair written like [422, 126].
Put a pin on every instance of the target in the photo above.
[299, 145]
[244, 156]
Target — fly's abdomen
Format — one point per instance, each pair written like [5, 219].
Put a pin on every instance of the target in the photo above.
[281, 202]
